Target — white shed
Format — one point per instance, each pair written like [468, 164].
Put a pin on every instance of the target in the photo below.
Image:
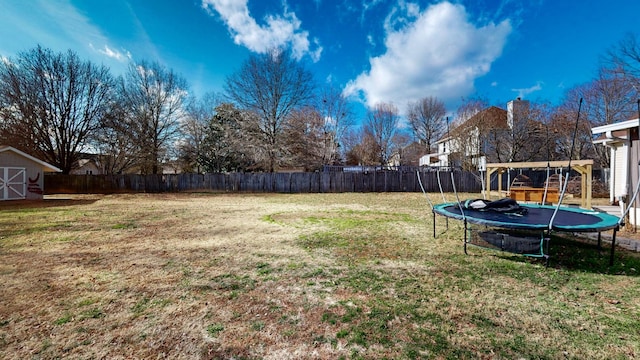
[623, 141]
[21, 175]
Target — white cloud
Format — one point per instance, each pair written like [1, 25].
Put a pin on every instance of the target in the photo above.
[114, 54]
[439, 53]
[526, 91]
[371, 41]
[56, 25]
[278, 30]
[367, 5]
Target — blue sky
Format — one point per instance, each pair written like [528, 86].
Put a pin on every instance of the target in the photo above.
[391, 51]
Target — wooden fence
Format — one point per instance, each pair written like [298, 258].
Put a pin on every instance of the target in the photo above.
[305, 182]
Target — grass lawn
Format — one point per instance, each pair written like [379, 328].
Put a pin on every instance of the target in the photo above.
[313, 276]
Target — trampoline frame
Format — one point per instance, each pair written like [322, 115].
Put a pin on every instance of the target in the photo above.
[607, 222]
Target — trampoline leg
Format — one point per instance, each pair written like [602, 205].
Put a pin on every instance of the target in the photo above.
[613, 246]
[599, 241]
[546, 246]
[434, 224]
[465, 237]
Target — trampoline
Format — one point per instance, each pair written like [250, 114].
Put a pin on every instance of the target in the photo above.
[533, 218]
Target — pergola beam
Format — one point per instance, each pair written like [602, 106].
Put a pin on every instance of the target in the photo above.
[540, 164]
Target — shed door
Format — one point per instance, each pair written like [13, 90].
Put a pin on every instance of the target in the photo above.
[13, 183]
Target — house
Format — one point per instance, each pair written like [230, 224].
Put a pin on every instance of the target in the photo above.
[408, 155]
[467, 141]
[22, 175]
[88, 165]
[623, 142]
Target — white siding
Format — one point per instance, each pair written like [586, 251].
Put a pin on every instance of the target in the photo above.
[619, 171]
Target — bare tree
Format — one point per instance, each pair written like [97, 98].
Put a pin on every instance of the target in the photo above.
[402, 153]
[361, 148]
[623, 59]
[152, 99]
[271, 85]
[352, 149]
[307, 139]
[52, 103]
[381, 125]
[528, 132]
[426, 117]
[337, 115]
[117, 153]
[199, 113]
[563, 131]
[607, 99]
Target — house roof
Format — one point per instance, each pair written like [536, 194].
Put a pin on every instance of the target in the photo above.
[622, 125]
[45, 166]
[616, 132]
[493, 117]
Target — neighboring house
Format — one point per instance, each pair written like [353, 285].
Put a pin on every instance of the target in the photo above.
[170, 167]
[622, 140]
[87, 166]
[22, 175]
[467, 141]
[409, 155]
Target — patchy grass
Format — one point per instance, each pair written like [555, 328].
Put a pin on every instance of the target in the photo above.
[330, 276]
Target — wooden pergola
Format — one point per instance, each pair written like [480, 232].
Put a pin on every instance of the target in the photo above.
[584, 167]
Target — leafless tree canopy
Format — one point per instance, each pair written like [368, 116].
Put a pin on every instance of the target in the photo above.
[151, 99]
[337, 116]
[569, 129]
[52, 103]
[55, 106]
[361, 148]
[199, 112]
[271, 85]
[381, 124]
[608, 98]
[405, 151]
[528, 134]
[307, 140]
[623, 59]
[426, 117]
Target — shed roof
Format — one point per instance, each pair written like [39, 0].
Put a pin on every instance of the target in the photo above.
[45, 166]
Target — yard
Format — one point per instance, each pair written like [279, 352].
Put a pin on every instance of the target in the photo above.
[314, 276]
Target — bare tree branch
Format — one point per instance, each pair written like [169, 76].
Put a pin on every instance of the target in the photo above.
[52, 103]
[271, 85]
[426, 117]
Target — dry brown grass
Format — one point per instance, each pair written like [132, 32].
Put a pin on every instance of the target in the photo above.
[219, 276]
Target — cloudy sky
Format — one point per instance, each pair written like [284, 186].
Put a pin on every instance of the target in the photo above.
[376, 50]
